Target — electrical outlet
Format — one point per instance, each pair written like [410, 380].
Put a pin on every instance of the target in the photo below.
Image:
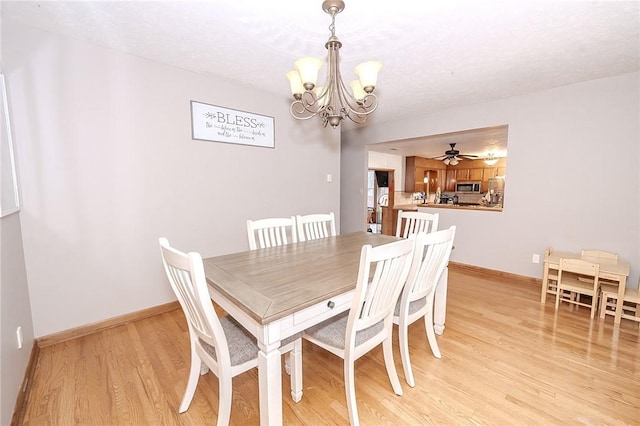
[329, 178]
[535, 258]
[19, 336]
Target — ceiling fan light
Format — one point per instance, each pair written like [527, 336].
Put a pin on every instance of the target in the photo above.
[453, 162]
[446, 161]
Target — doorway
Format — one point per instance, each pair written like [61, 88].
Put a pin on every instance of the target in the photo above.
[377, 198]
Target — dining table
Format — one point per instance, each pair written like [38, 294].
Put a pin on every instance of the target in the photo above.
[279, 291]
[613, 271]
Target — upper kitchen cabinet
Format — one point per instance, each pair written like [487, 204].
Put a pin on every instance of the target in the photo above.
[451, 180]
[423, 174]
[473, 170]
[475, 174]
[462, 174]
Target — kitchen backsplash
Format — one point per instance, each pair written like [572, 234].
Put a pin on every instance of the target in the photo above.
[404, 198]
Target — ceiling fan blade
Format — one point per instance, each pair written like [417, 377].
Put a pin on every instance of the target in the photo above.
[469, 156]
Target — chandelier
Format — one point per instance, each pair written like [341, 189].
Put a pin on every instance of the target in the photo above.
[333, 102]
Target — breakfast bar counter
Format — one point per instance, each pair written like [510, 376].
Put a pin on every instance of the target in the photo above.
[414, 207]
[497, 208]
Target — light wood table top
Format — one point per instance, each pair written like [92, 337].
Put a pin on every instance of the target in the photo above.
[269, 284]
[619, 267]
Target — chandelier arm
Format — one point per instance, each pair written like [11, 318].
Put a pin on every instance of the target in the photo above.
[303, 108]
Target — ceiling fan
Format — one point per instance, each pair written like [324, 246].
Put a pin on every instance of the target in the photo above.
[453, 156]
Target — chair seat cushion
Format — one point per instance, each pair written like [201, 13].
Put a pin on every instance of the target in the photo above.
[334, 331]
[414, 306]
[243, 346]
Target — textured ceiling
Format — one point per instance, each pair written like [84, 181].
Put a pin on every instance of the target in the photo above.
[435, 54]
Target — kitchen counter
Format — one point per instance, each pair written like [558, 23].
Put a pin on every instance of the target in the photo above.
[414, 207]
[408, 207]
[390, 214]
[456, 207]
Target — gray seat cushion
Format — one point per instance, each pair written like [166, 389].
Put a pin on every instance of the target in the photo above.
[243, 346]
[334, 331]
[414, 306]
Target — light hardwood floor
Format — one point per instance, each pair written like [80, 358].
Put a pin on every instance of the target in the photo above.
[506, 360]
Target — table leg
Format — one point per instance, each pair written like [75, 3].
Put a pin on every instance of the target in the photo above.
[440, 302]
[270, 383]
[622, 283]
[545, 283]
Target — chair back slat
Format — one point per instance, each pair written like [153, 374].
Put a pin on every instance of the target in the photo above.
[599, 254]
[580, 267]
[186, 276]
[375, 299]
[410, 223]
[271, 232]
[316, 226]
[430, 258]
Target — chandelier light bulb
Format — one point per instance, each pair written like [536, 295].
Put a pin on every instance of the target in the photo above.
[296, 83]
[357, 90]
[308, 69]
[367, 72]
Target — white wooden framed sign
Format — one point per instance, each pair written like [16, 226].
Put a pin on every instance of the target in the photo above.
[10, 200]
[217, 124]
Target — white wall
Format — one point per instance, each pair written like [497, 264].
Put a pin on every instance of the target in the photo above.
[15, 311]
[108, 165]
[379, 160]
[572, 181]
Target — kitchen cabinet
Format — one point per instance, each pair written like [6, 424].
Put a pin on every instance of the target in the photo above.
[389, 216]
[467, 174]
[462, 174]
[435, 179]
[419, 168]
[487, 173]
[450, 180]
[475, 174]
[412, 180]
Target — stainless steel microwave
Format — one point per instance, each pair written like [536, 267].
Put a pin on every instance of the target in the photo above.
[473, 186]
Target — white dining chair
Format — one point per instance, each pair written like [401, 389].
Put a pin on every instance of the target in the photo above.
[271, 232]
[430, 259]
[369, 322]
[316, 226]
[413, 222]
[218, 344]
